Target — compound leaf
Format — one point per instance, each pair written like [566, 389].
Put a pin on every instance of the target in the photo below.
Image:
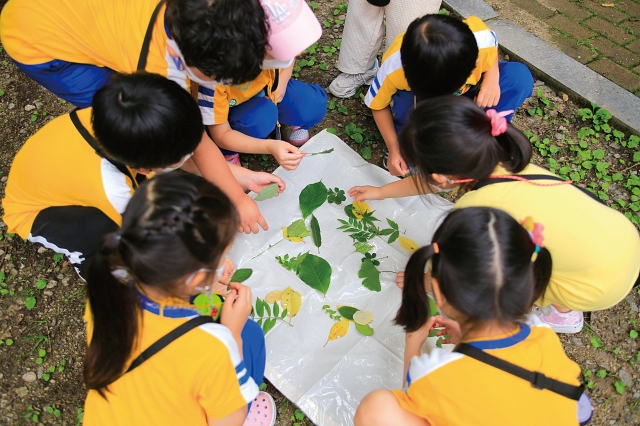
[312, 196]
[315, 272]
[268, 192]
[315, 232]
[371, 275]
[268, 325]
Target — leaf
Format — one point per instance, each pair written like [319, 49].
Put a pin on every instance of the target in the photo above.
[259, 307]
[267, 308]
[596, 342]
[291, 302]
[439, 342]
[394, 236]
[363, 247]
[362, 317]
[41, 284]
[268, 325]
[366, 153]
[273, 296]
[371, 275]
[633, 334]
[315, 272]
[392, 224]
[276, 309]
[312, 196]
[360, 208]
[241, 275]
[30, 302]
[267, 193]
[326, 151]
[298, 229]
[408, 244]
[338, 329]
[365, 330]
[620, 387]
[315, 232]
[347, 311]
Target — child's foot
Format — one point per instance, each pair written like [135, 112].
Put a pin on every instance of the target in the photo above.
[233, 158]
[296, 136]
[262, 412]
[561, 322]
[345, 85]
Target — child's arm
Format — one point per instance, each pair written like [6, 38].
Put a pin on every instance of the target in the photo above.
[413, 344]
[234, 419]
[402, 188]
[213, 167]
[384, 120]
[255, 181]
[489, 93]
[287, 155]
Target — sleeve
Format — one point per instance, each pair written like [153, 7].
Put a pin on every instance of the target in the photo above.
[387, 82]
[487, 43]
[206, 103]
[420, 399]
[226, 386]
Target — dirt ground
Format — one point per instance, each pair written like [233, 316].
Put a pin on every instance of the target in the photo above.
[42, 346]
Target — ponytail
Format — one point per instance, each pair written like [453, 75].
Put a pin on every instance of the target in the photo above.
[541, 273]
[414, 311]
[516, 149]
[115, 311]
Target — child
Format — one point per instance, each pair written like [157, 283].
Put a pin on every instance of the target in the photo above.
[441, 55]
[245, 114]
[484, 271]
[596, 250]
[172, 246]
[66, 189]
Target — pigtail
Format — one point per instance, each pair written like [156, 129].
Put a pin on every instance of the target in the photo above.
[414, 310]
[115, 312]
[541, 273]
[516, 149]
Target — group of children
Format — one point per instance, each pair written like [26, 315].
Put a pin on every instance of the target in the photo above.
[189, 84]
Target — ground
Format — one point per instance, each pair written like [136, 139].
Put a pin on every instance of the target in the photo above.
[42, 337]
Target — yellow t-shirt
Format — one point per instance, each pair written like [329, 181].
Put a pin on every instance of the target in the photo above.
[391, 78]
[200, 376]
[448, 388]
[595, 250]
[57, 167]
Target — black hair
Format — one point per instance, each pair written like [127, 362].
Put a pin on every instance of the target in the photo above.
[175, 224]
[224, 39]
[438, 54]
[484, 268]
[145, 120]
[451, 135]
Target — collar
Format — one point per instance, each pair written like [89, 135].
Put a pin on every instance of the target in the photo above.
[509, 340]
[166, 27]
[165, 309]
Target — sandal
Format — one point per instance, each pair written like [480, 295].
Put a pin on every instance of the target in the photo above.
[262, 412]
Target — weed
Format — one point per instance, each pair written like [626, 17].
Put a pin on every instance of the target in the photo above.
[298, 417]
[52, 409]
[32, 414]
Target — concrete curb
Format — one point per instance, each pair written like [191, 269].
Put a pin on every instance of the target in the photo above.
[559, 70]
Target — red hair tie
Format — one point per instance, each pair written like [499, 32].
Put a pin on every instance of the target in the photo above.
[498, 121]
[436, 249]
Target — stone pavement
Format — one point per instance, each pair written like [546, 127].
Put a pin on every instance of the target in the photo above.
[604, 35]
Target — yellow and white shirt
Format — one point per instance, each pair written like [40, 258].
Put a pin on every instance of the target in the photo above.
[595, 249]
[391, 78]
[449, 388]
[198, 377]
[57, 167]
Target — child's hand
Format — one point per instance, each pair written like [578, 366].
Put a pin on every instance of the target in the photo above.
[250, 216]
[236, 308]
[489, 94]
[226, 275]
[450, 327]
[400, 279]
[396, 164]
[257, 181]
[363, 193]
[418, 337]
[287, 155]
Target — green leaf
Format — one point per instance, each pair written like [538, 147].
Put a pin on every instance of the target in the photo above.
[371, 275]
[433, 309]
[241, 275]
[348, 210]
[315, 272]
[52, 369]
[439, 342]
[267, 308]
[633, 334]
[268, 325]
[365, 330]
[636, 156]
[326, 151]
[298, 229]
[41, 284]
[259, 307]
[393, 237]
[601, 373]
[299, 415]
[330, 129]
[30, 302]
[363, 247]
[392, 224]
[366, 153]
[268, 192]
[312, 196]
[620, 388]
[42, 353]
[315, 232]
[596, 342]
[284, 314]
[347, 312]
[276, 309]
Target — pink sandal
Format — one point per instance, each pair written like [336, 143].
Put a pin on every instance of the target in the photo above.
[263, 411]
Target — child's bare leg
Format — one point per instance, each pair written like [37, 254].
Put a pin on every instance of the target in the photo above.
[381, 408]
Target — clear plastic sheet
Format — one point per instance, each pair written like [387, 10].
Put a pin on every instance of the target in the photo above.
[327, 383]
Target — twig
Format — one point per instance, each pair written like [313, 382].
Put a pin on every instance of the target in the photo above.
[265, 250]
[630, 167]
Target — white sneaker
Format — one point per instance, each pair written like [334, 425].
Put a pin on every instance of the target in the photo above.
[345, 85]
[561, 322]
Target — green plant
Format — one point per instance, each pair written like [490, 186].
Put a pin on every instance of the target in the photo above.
[332, 314]
[58, 257]
[335, 196]
[32, 414]
[297, 418]
[52, 409]
[42, 355]
[79, 416]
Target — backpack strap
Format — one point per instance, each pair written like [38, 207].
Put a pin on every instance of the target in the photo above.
[144, 51]
[165, 340]
[538, 380]
[94, 144]
[488, 181]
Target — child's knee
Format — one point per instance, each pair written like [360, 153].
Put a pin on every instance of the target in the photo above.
[516, 76]
[258, 122]
[375, 408]
[316, 106]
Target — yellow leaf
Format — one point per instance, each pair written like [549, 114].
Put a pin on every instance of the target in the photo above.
[285, 234]
[608, 5]
[362, 317]
[408, 244]
[360, 208]
[273, 297]
[291, 301]
[338, 329]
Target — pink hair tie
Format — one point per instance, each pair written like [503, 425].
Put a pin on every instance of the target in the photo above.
[498, 121]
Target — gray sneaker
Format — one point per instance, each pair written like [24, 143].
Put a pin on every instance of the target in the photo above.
[345, 85]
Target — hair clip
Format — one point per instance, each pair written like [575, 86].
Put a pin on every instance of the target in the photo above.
[499, 123]
[535, 233]
[436, 249]
[534, 256]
